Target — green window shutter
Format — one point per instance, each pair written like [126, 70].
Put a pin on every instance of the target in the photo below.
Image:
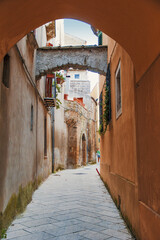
[100, 38]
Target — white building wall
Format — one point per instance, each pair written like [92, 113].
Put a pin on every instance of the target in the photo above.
[70, 40]
[59, 39]
[40, 34]
[60, 134]
[82, 74]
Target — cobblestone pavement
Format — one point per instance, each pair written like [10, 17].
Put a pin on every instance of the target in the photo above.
[70, 205]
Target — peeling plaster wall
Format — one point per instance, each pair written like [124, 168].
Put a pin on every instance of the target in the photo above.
[60, 134]
[22, 150]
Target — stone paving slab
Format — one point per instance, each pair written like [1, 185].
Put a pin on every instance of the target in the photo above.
[71, 205]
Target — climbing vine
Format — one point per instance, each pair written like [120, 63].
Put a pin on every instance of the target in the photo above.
[105, 107]
[106, 114]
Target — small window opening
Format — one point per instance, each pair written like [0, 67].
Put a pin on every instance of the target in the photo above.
[118, 91]
[6, 71]
[45, 136]
[76, 76]
[31, 125]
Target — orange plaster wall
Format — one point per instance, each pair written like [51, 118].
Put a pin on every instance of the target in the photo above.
[122, 134]
[130, 147]
[118, 145]
[148, 138]
[149, 223]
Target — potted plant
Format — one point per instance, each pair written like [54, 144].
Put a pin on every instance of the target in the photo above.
[59, 78]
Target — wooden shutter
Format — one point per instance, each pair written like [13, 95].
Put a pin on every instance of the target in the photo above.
[48, 91]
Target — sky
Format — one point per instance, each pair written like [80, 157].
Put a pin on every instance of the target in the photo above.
[83, 31]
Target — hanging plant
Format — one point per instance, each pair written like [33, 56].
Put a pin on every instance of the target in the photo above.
[58, 90]
[59, 78]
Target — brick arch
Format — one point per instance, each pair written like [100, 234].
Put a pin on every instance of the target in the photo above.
[132, 23]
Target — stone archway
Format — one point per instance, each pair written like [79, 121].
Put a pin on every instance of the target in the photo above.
[84, 150]
[51, 59]
[133, 23]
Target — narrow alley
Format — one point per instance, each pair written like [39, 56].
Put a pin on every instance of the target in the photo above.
[70, 205]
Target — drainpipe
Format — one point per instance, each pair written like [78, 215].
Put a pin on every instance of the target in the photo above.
[87, 145]
[53, 124]
[52, 139]
[37, 140]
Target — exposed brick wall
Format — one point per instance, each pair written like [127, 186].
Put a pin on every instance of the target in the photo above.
[81, 124]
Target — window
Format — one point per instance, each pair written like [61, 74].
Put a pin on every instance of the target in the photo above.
[45, 136]
[118, 91]
[6, 71]
[48, 87]
[76, 76]
[31, 124]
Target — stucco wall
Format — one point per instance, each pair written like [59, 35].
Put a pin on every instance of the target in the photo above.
[148, 142]
[22, 150]
[60, 134]
[118, 145]
[130, 149]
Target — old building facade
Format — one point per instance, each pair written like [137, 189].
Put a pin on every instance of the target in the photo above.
[25, 139]
[124, 173]
[75, 132]
[81, 124]
[76, 118]
[135, 26]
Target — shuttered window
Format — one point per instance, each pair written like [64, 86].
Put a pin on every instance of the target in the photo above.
[48, 87]
[100, 38]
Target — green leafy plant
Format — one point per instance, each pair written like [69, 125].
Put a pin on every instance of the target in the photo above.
[58, 90]
[100, 129]
[3, 234]
[106, 112]
[105, 116]
[60, 78]
[59, 75]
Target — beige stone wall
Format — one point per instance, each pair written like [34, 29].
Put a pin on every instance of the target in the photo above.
[60, 134]
[22, 150]
[95, 95]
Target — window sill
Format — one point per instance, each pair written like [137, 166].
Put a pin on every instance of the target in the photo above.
[118, 114]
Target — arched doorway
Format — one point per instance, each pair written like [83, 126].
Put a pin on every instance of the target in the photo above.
[84, 150]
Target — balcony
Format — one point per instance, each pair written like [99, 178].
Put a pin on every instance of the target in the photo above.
[49, 102]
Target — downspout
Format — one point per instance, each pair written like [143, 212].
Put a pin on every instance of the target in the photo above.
[36, 139]
[87, 144]
[52, 140]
